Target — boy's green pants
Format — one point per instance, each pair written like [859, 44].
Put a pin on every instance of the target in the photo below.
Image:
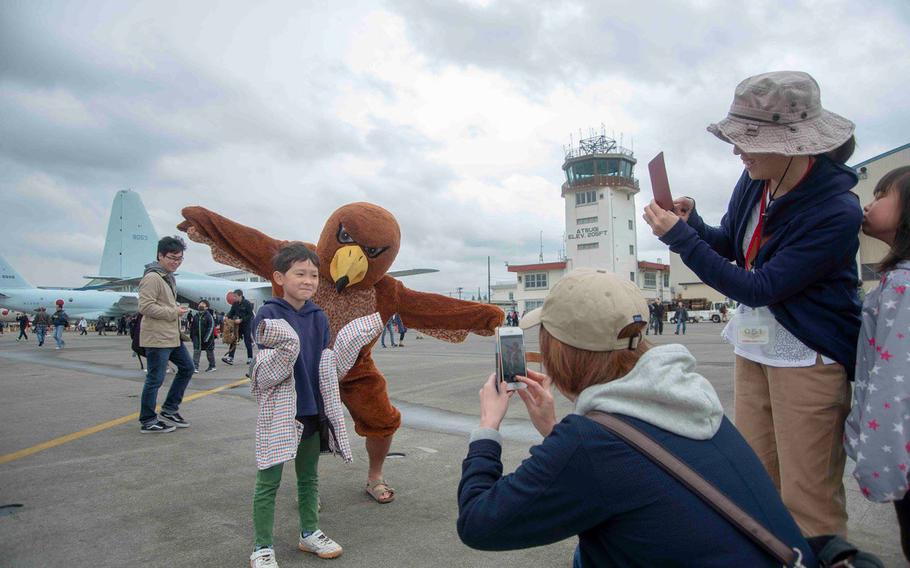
[267, 482]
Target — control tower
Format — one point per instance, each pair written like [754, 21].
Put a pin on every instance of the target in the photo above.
[600, 206]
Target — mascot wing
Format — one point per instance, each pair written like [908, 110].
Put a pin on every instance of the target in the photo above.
[436, 315]
[231, 243]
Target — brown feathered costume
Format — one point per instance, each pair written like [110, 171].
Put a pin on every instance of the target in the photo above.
[357, 246]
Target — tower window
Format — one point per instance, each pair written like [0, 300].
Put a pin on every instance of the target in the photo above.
[588, 246]
[632, 276]
[585, 197]
[630, 225]
[632, 249]
[586, 220]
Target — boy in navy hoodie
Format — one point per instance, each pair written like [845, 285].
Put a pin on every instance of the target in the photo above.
[296, 270]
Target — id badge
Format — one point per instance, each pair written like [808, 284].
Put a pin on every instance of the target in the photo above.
[754, 326]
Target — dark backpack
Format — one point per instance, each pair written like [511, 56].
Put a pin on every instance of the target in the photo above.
[134, 336]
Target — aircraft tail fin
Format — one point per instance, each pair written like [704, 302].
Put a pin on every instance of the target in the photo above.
[10, 278]
[131, 241]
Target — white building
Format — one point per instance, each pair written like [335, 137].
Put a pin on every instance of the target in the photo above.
[601, 217]
[237, 275]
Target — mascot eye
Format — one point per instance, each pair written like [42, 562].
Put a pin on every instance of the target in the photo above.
[373, 252]
[343, 236]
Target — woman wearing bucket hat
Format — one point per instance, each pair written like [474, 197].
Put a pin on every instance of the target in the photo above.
[585, 480]
[792, 229]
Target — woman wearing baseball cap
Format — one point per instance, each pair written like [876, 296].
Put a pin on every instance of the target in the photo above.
[585, 481]
[792, 232]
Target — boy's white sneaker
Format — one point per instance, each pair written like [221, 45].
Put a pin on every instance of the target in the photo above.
[263, 558]
[320, 545]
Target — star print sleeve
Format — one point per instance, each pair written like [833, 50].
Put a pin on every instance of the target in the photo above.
[879, 426]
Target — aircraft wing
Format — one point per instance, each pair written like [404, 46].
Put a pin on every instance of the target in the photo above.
[411, 272]
[113, 283]
[128, 303]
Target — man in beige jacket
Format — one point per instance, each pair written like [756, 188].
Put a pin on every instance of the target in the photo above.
[159, 334]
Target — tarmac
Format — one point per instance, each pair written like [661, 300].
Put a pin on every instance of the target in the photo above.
[79, 485]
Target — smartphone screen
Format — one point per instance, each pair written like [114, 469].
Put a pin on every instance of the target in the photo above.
[512, 351]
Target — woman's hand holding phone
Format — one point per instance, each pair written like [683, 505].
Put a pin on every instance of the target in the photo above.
[538, 398]
[493, 403]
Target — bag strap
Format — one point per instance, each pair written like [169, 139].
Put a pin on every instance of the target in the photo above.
[700, 486]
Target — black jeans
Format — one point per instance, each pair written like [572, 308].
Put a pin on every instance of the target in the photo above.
[902, 508]
[243, 330]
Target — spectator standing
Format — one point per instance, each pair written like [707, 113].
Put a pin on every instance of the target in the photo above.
[792, 229]
[101, 325]
[682, 316]
[242, 314]
[159, 335]
[202, 333]
[82, 326]
[401, 329]
[42, 323]
[23, 327]
[659, 312]
[388, 329]
[723, 312]
[877, 436]
[650, 318]
[61, 321]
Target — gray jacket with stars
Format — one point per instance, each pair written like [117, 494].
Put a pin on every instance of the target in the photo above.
[877, 433]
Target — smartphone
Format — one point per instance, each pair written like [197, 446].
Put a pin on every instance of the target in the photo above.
[660, 185]
[510, 357]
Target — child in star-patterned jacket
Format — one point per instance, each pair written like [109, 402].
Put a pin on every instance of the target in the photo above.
[877, 433]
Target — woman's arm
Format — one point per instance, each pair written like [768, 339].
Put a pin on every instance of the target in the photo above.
[790, 270]
[550, 497]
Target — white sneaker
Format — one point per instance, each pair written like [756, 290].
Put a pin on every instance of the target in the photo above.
[263, 558]
[320, 545]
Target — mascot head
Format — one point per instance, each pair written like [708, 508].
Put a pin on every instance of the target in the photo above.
[358, 245]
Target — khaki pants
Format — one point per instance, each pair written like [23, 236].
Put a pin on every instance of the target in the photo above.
[793, 418]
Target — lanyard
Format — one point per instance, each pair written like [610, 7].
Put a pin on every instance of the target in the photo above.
[757, 241]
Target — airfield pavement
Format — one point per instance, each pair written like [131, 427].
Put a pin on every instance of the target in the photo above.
[94, 492]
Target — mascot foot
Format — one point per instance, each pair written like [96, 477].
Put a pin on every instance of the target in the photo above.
[379, 490]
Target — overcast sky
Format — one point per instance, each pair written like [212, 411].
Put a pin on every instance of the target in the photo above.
[452, 115]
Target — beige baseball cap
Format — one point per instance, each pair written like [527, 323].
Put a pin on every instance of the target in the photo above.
[588, 308]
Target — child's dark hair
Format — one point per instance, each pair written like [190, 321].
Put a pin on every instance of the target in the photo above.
[897, 180]
[291, 253]
[168, 245]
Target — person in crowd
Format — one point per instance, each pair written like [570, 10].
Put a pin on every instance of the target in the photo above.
[388, 329]
[60, 321]
[23, 327]
[242, 314]
[682, 316]
[723, 313]
[82, 326]
[202, 334]
[121, 325]
[582, 480]
[42, 323]
[514, 318]
[650, 318]
[101, 325]
[509, 318]
[2, 326]
[659, 313]
[791, 228]
[159, 335]
[296, 270]
[401, 329]
[877, 436]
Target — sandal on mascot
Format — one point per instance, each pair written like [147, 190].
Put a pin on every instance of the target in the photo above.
[377, 488]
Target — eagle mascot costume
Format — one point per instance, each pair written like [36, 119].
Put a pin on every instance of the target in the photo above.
[357, 246]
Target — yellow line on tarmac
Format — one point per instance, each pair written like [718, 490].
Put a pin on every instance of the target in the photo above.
[104, 426]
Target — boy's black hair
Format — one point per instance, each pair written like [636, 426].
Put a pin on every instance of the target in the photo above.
[168, 245]
[291, 253]
[897, 180]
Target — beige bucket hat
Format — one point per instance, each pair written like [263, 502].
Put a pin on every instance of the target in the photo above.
[781, 113]
[588, 308]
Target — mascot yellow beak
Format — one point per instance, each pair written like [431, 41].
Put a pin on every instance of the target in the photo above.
[349, 266]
